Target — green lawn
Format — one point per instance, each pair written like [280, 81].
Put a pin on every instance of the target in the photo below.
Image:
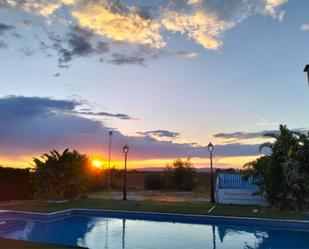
[155, 206]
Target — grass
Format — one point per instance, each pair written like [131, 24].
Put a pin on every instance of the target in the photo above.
[200, 208]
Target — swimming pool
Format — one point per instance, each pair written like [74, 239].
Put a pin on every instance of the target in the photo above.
[113, 230]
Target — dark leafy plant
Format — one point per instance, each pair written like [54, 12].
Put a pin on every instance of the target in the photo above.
[61, 176]
[15, 184]
[181, 175]
[283, 173]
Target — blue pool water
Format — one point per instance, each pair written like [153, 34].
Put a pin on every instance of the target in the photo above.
[114, 233]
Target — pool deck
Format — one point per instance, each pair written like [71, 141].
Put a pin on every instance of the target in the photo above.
[160, 217]
[18, 244]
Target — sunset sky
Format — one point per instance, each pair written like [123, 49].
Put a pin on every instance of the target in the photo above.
[169, 75]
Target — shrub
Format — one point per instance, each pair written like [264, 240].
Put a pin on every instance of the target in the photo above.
[154, 181]
[181, 175]
[15, 184]
[115, 175]
[283, 173]
[61, 176]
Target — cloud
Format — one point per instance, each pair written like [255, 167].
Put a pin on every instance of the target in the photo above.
[78, 42]
[27, 51]
[20, 106]
[105, 114]
[5, 28]
[271, 8]
[27, 24]
[205, 21]
[239, 136]
[305, 27]
[201, 26]
[39, 7]
[34, 125]
[202, 20]
[78, 46]
[110, 24]
[56, 75]
[122, 59]
[118, 22]
[27, 107]
[3, 45]
[102, 47]
[188, 54]
[160, 133]
[192, 2]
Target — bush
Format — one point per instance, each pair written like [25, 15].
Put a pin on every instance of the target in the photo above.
[116, 174]
[283, 173]
[99, 178]
[154, 181]
[15, 184]
[181, 175]
[61, 176]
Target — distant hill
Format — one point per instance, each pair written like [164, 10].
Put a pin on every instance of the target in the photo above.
[161, 169]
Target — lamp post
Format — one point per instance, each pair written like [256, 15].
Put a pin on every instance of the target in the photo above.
[125, 151]
[307, 70]
[110, 133]
[212, 196]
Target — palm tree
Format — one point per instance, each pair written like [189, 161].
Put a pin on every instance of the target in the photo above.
[282, 174]
[61, 175]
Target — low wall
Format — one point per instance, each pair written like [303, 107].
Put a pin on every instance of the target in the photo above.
[239, 196]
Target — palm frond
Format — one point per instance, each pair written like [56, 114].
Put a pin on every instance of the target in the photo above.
[271, 134]
[268, 145]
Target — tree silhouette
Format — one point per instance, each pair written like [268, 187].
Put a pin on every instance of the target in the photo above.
[60, 176]
[181, 175]
[283, 173]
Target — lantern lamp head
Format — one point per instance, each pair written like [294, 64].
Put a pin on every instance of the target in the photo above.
[210, 147]
[125, 149]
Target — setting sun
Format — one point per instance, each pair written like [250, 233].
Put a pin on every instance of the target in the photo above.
[97, 164]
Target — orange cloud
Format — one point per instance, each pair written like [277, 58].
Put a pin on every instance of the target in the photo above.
[271, 8]
[119, 25]
[124, 23]
[201, 26]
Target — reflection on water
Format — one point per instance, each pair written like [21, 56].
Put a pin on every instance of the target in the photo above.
[214, 236]
[109, 233]
[123, 233]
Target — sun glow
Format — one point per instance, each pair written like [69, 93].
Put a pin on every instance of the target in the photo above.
[97, 164]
